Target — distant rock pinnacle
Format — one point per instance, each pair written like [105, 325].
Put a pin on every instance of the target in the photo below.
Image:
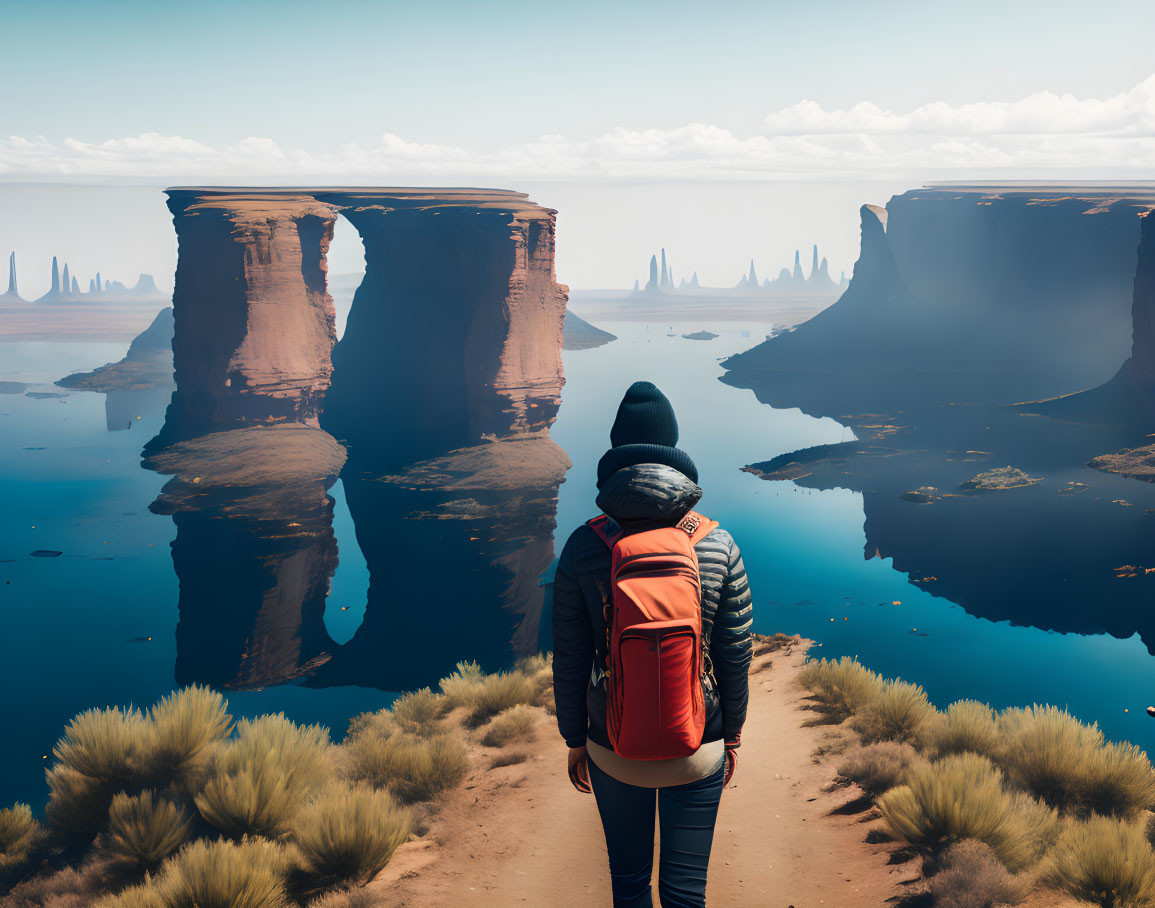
[13, 295]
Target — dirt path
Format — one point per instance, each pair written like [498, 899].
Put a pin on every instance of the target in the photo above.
[520, 834]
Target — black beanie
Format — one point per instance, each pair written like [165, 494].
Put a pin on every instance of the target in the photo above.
[631, 455]
[645, 417]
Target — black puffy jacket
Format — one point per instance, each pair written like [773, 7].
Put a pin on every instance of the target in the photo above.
[639, 498]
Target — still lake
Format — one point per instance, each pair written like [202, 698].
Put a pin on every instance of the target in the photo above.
[96, 625]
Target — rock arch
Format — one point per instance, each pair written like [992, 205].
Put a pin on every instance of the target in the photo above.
[457, 325]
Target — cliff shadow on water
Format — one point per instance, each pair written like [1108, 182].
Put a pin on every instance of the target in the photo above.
[443, 389]
[973, 315]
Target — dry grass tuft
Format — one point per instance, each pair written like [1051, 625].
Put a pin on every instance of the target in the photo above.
[142, 896]
[1068, 764]
[377, 725]
[962, 797]
[100, 744]
[497, 693]
[539, 669]
[508, 758]
[181, 729]
[1104, 861]
[973, 877]
[225, 874]
[897, 713]
[419, 712]
[349, 834]
[841, 687]
[258, 780]
[412, 767]
[964, 726]
[461, 687]
[518, 723]
[346, 898]
[77, 804]
[20, 839]
[877, 768]
[143, 830]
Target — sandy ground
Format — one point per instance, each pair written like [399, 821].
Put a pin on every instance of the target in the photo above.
[521, 834]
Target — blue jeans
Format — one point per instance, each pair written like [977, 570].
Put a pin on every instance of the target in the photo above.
[686, 814]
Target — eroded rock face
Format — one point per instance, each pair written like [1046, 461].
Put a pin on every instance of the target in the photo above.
[1141, 365]
[454, 335]
[254, 325]
[455, 332]
[146, 366]
[978, 294]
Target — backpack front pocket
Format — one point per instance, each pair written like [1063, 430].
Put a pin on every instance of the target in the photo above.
[660, 709]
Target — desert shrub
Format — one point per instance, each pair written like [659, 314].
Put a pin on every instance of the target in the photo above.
[77, 804]
[101, 743]
[497, 693]
[1068, 764]
[349, 834]
[966, 725]
[962, 797]
[258, 780]
[1105, 861]
[354, 897]
[223, 874]
[461, 687]
[143, 896]
[877, 768]
[517, 723]
[379, 724]
[143, 829]
[1118, 780]
[973, 877]
[539, 669]
[412, 767]
[20, 837]
[180, 731]
[841, 687]
[897, 713]
[508, 758]
[419, 712]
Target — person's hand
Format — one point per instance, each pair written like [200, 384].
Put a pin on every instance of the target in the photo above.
[579, 771]
[731, 759]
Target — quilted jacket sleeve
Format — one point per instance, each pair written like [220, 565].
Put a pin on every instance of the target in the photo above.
[730, 645]
[573, 650]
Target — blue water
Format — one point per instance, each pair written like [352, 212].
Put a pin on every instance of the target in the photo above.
[804, 548]
[95, 626]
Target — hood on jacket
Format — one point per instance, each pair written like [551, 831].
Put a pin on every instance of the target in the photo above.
[648, 493]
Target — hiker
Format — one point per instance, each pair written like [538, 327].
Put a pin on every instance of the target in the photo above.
[651, 630]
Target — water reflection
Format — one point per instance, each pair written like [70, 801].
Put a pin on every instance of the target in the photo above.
[455, 547]
[1066, 549]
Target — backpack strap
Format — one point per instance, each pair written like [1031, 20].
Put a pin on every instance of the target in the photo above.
[607, 529]
[696, 526]
[693, 524]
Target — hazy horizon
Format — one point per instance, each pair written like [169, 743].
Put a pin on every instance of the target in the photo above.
[606, 232]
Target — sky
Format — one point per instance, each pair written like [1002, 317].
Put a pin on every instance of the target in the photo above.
[646, 124]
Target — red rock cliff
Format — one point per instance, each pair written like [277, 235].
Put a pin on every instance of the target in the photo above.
[254, 325]
[455, 333]
[454, 336]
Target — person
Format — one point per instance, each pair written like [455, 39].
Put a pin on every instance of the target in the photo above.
[645, 481]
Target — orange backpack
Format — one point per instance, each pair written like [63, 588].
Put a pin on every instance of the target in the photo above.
[655, 707]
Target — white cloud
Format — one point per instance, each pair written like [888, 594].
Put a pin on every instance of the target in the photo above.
[1045, 135]
[1131, 113]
